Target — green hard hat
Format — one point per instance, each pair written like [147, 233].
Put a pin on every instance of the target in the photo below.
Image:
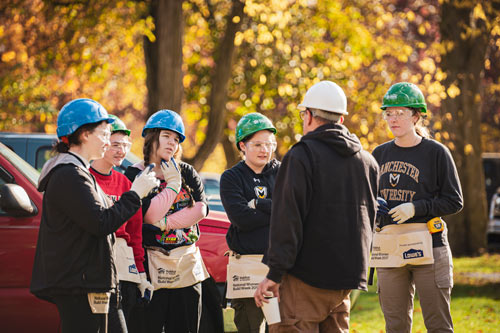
[118, 125]
[404, 94]
[252, 123]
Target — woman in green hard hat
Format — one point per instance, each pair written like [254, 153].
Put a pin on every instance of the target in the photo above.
[128, 250]
[246, 193]
[418, 184]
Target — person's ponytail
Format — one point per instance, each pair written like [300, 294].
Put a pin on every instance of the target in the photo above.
[420, 128]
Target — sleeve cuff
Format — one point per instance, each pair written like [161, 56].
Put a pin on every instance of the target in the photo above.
[419, 208]
[275, 275]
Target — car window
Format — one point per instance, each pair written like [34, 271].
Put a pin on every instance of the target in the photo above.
[27, 170]
[211, 187]
[42, 155]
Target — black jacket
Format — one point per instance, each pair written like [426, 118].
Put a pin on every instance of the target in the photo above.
[249, 230]
[323, 211]
[74, 248]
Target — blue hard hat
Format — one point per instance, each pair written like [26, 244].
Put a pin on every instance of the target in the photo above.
[168, 120]
[79, 112]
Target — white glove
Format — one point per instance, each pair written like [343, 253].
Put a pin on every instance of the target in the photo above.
[161, 223]
[145, 182]
[145, 285]
[171, 174]
[252, 203]
[403, 212]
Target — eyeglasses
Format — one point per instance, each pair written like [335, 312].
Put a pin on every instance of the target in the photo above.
[258, 145]
[398, 114]
[302, 114]
[120, 146]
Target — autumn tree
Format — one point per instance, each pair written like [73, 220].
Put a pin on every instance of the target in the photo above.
[163, 56]
[466, 29]
[52, 52]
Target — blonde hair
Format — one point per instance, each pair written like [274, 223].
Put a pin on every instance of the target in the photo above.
[420, 128]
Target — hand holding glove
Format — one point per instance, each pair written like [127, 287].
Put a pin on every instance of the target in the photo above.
[145, 287]
[403, 212]
[382, 207]
[382, 218]
[145, 182]
[171, 174]
[252, 203]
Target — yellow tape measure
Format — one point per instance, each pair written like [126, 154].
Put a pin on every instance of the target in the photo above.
[435, 225]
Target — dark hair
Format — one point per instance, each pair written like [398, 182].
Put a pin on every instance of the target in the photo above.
[247, 138]
[420, 128]
[74, 138]
[177, 157]
[151, 141]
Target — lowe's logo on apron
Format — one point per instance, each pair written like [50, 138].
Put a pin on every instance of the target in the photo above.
[412, 254]
[133, 269]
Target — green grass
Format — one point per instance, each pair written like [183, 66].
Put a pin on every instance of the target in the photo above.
[475, 302]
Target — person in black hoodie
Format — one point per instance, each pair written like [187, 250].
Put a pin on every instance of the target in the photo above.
[73, 266]
[246, 193]
[323, 214]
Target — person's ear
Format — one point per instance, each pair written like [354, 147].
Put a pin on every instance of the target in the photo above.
[242, 146]
[341, 120]
[85, 135]
[416, 118]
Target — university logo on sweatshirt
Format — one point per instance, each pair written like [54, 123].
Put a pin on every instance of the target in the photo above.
[261, 192]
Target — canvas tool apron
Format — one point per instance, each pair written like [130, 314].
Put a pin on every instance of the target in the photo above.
[125, 262]
[179, 268]
[244, 273]
[397, 245]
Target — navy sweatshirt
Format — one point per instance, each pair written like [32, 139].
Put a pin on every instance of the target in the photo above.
[424, 175]
[249, 230]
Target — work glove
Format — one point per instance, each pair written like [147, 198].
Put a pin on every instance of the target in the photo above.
[171, 174]
[145, 182]
[252, 203]
[383, 218]
[161, 223]
[382, 207]
[403, 212]
[145, 287]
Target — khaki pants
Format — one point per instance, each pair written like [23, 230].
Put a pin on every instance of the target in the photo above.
[304, 308]
[396, 288]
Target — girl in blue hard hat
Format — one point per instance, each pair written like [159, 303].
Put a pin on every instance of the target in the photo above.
[73, 265]
[246, 192]
[419, 181]
[171, 215]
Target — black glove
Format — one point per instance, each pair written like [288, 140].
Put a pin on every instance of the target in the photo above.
[383, 217]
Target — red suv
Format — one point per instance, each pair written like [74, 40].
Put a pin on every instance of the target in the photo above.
[20, 213]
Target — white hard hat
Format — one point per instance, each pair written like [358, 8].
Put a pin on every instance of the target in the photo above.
[326, 96]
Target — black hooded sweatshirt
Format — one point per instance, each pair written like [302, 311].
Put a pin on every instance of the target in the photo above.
[323, 211]
[249, 230]
[74, 252]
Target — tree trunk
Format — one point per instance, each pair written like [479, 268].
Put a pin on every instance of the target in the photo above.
[219, 81]
[463, 63]
[164, 57]
[230, 151]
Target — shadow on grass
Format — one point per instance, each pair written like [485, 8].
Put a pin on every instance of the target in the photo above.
[487, 290]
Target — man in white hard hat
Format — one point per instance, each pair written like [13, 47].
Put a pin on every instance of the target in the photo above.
[323, 214]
